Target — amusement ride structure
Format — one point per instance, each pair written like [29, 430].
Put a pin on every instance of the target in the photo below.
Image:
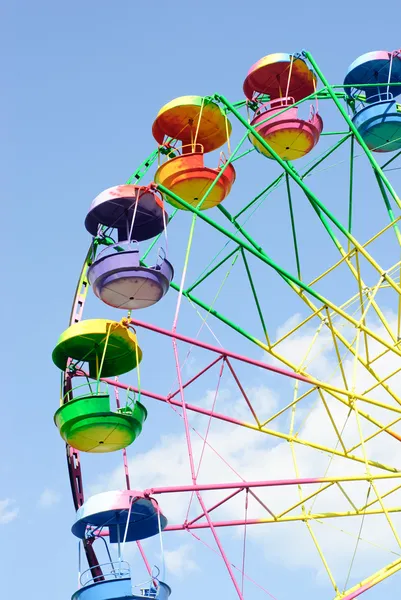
[335, 365]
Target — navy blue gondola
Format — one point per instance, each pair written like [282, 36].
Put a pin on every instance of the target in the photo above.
[374, 82]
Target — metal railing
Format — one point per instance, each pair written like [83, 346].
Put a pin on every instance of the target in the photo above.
[116, 570]
[120, 570]
[90, 388]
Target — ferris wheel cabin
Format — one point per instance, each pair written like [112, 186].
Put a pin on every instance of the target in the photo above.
[128, 516]
[274, 84]
[373, 82]
[87, 422]
[121, 588]
[117, 276]
[115, 208]
[109, 348]
[200, 126]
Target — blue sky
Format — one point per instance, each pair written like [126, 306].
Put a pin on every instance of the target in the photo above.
[82, 83]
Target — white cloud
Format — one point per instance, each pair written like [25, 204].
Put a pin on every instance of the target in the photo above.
[179, 561]
[8, 511]
[48, 498]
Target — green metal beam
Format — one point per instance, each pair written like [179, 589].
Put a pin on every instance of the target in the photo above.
[388, 207]
[351, 185]
[143, 168]
[391, 160]
[221, 317]
[255, 295]
[256, 252]
[212, 270]
[326, 154]
[294, 233]
[262, 193]
[278, 179]
[288, 168]
[369, 85]
[230, 159]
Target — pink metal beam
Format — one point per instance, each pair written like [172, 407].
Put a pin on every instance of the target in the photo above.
[145, 560]
[197, 538]
[244, 394]
[216, 506]
[236, 485]
[232, 523]
[261, 503]
[74, 471]
[169, 400]
[124, 450]
[361, 590]
[223, 352]
[195, 377]
[205, 442]
[128, 484]
[192, 465]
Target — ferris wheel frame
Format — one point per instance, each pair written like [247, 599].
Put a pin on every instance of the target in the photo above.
[246, 244]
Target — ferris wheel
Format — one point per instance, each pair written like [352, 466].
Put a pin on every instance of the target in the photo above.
[293, 301]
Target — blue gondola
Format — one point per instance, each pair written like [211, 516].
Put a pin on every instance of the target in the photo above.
[373, 81]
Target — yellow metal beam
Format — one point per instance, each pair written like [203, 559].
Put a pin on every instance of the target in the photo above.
[309, 527]
[371, 581]
[328, 515]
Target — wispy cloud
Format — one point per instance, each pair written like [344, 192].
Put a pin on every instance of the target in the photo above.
[8, 511]
[179, 561]
[48, 498]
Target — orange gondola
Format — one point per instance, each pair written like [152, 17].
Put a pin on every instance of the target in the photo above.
[201, 126]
